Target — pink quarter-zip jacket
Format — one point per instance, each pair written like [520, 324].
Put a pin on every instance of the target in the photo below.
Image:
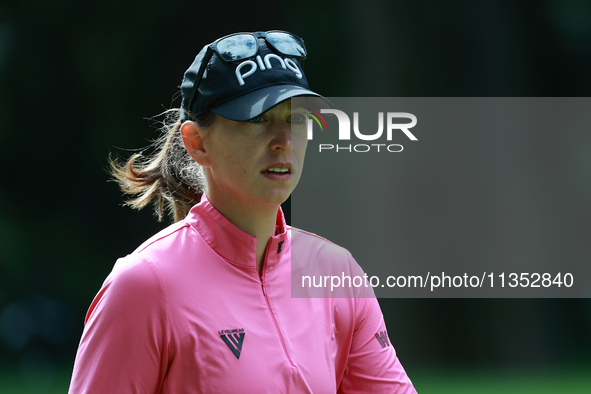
[188, 312]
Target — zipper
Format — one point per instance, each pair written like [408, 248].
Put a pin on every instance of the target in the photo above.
[262, 278]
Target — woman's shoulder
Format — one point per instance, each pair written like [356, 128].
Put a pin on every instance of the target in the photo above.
[149, 260]
[306, 240]
[316, 255]
[321, 268]
[163, 238]
[168, 245]
[319, 255]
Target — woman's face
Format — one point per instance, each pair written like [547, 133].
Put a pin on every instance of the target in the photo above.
[258, 161]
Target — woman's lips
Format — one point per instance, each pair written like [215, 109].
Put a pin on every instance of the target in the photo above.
[278, 171]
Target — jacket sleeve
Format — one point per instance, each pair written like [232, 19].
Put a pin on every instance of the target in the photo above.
[124, 343]
[372, 365]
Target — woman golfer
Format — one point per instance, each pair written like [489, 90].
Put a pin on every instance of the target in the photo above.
[205, 305]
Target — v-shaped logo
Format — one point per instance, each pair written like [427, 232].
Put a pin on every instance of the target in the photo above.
[234, 339]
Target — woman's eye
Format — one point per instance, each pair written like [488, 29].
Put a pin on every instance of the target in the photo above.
[257, 119]
[298, 118]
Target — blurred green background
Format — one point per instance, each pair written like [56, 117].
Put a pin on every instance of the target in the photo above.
[79, 80]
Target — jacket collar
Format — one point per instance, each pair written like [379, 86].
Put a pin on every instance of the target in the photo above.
[233, 244]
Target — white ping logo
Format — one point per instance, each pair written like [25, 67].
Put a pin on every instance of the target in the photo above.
[264, 64]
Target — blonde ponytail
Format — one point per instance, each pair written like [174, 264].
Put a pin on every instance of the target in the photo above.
[168, 177]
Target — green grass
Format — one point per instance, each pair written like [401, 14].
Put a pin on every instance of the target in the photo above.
[49, 381]
[576, 380]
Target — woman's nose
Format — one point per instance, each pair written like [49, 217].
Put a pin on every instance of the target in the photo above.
[282, 136]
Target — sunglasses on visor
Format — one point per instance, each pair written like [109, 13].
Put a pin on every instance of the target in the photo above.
[241, 46]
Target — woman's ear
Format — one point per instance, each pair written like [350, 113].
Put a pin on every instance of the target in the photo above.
[193, 138]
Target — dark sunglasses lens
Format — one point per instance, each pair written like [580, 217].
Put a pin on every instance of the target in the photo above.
[237, 47]
[287, 44]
